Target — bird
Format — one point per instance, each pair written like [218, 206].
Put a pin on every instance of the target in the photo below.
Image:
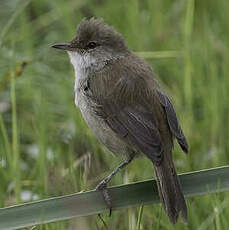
[122, 103]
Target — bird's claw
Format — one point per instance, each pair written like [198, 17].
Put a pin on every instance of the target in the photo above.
[102, 187]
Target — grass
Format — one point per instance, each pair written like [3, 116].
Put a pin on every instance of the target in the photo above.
[91, 202]
[45, 147]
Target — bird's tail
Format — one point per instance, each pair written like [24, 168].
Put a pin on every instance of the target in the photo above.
[170, 191]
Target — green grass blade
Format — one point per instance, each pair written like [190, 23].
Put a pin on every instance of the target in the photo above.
[140, 217]
[160, 54]
[88, 203]
[187, 51]
[15, 147]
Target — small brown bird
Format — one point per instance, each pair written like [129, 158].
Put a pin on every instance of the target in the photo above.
[122, 103]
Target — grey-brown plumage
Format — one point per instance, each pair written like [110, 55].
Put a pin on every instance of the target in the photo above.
[125, 108]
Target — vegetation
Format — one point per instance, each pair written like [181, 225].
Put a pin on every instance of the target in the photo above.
[47, 150]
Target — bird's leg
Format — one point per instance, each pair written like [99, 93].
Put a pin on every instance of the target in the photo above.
[102, 186]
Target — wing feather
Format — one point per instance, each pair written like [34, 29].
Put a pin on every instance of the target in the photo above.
[173, 121]
[137, 126]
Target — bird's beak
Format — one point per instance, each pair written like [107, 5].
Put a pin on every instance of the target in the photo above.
[62, 46]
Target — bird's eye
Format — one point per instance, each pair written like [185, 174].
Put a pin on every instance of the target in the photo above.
[91, 45]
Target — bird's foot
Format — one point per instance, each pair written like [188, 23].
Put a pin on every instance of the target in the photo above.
[102, 187]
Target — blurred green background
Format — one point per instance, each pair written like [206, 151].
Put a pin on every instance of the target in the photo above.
[46, 148]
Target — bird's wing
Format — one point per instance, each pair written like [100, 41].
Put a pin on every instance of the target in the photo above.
[173, 121]
[128, 98]
[119, 93]
[136, 126]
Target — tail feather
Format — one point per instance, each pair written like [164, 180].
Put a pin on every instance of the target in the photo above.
[170, 191]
